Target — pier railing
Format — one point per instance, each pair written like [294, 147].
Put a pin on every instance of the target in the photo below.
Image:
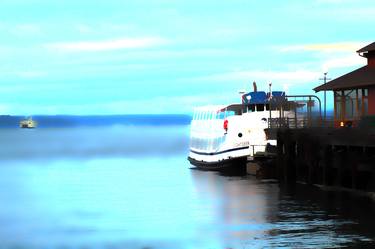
[298, 111]
[299, 122]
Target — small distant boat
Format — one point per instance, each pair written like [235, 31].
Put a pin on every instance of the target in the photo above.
[28, 123]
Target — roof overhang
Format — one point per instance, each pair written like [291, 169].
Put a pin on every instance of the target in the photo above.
[362, 77]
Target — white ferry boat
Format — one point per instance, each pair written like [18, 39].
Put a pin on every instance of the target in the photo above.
[225, 136]
[28, 123]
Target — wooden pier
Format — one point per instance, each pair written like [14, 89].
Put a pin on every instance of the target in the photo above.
[338, 151]
[326, 156]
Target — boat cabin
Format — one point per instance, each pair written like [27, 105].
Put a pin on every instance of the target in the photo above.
[354, 93]
[251, 102]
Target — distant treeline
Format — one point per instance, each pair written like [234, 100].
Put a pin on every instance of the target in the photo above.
[105, 120]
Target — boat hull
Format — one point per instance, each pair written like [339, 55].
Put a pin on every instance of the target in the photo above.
[27, 126]
[231, 166]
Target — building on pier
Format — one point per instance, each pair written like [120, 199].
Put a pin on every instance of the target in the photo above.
[354, 93]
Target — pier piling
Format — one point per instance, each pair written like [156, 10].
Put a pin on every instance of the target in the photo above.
[340, 158]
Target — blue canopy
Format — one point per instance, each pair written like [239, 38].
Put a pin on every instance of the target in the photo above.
[262, 97]
[254, 98]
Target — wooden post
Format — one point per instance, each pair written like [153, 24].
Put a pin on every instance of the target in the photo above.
[290, 159]
[341, 166]
[327, 165]
[280, 155]
[353, 157]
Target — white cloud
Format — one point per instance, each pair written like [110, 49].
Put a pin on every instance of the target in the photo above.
[343, 62]
[116, 44]
[31, 74]
[334, 55]
[165, 104]
[156, 105]
[84, 29]
[4, 109]
[326, 47]
[334, 1]
[269, 76]
[27, 29]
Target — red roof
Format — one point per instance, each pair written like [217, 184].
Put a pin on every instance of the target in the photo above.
[362, 77]
[368, 48]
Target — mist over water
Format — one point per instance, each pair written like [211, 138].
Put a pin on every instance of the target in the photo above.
[129, 185]
[93, 142]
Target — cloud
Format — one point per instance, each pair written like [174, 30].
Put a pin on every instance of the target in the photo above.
[23, 74]
[31, 74]
[270, 76]
[334, 1]
[108, 45]
[164, 104]
[343, 62]
[326, 47]
[84, 29]
[155, 105]
[4, 108]
[334, 55]
[27, 29]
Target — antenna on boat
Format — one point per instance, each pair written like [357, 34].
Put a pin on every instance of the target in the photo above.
[270, 87]
[242, 93]
[269, 99]
[255, 86]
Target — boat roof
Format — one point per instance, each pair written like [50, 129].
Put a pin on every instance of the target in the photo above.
[261, 97]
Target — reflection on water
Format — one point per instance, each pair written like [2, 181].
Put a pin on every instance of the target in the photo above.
[91, 188]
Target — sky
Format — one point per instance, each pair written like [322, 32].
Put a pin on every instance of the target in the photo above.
[163, 56]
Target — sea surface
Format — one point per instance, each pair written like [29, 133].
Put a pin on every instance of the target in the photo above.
[124, 182]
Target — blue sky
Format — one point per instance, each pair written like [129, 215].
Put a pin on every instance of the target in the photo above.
[164, 56]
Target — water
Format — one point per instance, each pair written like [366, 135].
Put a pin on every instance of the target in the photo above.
[129, 185]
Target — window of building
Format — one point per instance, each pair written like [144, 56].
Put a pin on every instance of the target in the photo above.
[337, 96]
[365, 106]
[365, 102]
[351, 104]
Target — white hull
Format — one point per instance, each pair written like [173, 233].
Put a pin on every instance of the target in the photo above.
[211, 144]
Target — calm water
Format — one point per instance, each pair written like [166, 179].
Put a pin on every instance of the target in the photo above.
[130, 186]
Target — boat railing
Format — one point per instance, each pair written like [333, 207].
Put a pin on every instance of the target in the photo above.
[299, 122]
[299, 111]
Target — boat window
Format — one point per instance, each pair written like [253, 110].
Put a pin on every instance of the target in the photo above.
[201, 115]
[213, 115]
[273, 107]
[221, 115]
[196, 115]
[205, 115]
[287, 107]
[208, 117]
[260, 107]
[251, 108]
[230, 113]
